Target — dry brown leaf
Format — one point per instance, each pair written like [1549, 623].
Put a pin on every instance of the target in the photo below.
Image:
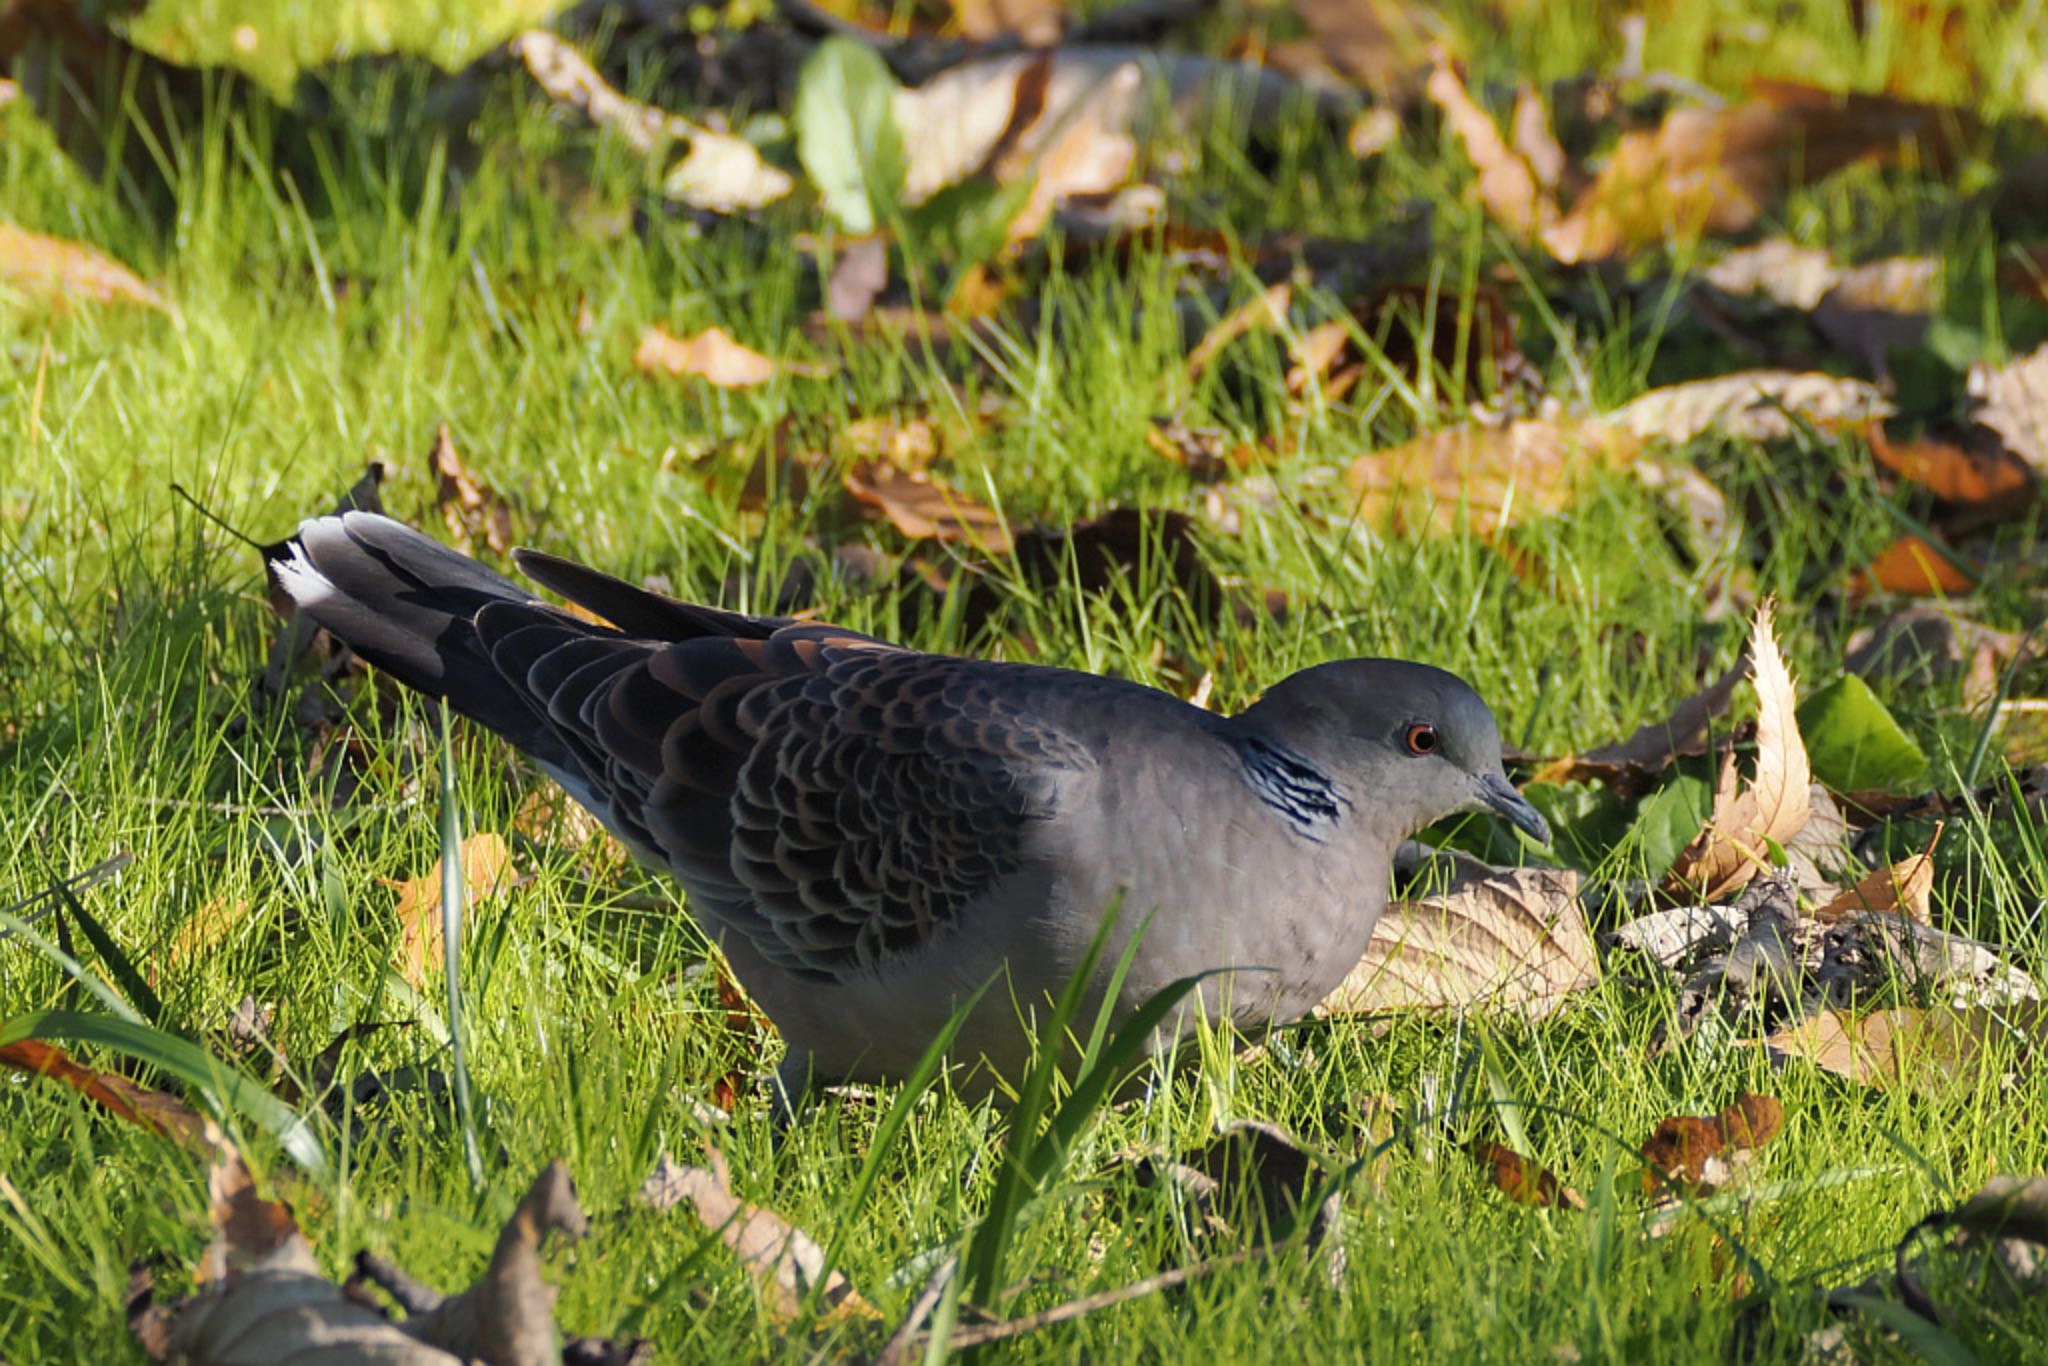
[2012, 400]
[1711, 171]
[1524, 1180]
[1798, 277]
[784, 1261]
[1198, 450]
[1925, 1050]
[1914, 566]
[714, 356]
[1511, 189]
[860, 272]
[1267, 313]
[56, 273]
[205, 929]
[548, 815]
[1034, 23]
[1991, 479]
[1089, 153]
[1901, 889]
[1314, 353]
[1778, 799]
[922, 508]
[1701, 1153]
[487, 871]
[1515, 938]
[1490, 477]
[1754, 405]
[158, 1111]
[474, 512]
[1631, 766]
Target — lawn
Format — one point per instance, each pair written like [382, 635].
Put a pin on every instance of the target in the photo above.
[345, 267]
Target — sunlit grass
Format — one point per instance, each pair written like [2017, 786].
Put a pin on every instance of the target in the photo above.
[309, 344]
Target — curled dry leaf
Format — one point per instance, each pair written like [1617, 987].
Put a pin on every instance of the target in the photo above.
[1522, 1179]
[1631, 766]
[1701, 1153]
[784, 1260]
[474, 512]
[58, 274]
[718, 172]
[923, 508]
[1753, 405]
[487, 872]
[1509, 186]
[714, 356]
[1513, 938]
[1901, 889]
[1778, 799]
[1490, 477]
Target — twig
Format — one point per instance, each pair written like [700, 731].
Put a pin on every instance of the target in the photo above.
[980, 1334]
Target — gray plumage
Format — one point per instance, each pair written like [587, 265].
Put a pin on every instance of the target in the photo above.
[873, 833]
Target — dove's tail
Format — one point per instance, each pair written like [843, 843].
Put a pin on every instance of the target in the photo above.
[408, 605]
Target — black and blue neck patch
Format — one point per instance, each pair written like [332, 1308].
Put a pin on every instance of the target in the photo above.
[1302, 793]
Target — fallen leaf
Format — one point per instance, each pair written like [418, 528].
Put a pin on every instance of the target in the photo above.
[1201, 451]
[909, 444]
[1914, 566]
[474, 512]
[1509, 186]
[1699, 1154]
[860, 272]
[158, 1111]
[1901, 889]
[1752, 405]
[1993, 479]
[487, 872]
[1631, 766]
[1712, 171]
[922, 508]
[1524, 1180]
[1266, 313]
[57, 273]
[1379, 45]
[548, 815]
[1089, 151]
[784, 1261]
[1034, 23]
[2012, 401]
[1923, 1050]
[1776, 803]
[1488, 477]
[1795, 276]
[714, 356]
[1515, 938]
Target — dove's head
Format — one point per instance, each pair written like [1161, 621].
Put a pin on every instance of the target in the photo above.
[1408, 744]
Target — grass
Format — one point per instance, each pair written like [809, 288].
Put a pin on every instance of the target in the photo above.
[321, 331]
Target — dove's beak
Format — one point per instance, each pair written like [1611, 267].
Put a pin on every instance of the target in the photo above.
[1498, 795]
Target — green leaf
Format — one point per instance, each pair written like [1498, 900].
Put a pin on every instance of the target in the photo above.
[1668, 819]
[847, 136]
[1853, 742]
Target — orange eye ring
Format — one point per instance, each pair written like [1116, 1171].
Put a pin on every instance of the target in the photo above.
[1421, 738]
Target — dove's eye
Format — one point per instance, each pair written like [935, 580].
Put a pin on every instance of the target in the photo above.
[1421, 738]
